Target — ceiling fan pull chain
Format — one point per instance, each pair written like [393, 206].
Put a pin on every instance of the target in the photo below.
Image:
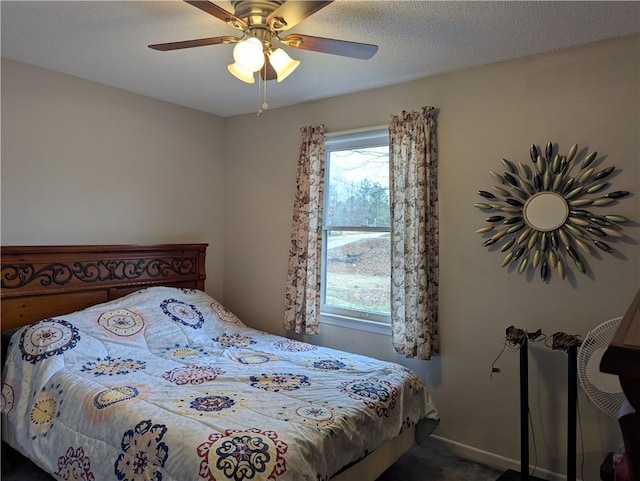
[259, 112]
[262, 93]
[264, 105]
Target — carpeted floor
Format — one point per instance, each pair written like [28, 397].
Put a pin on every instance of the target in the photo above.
[434, 462]
[431, 462]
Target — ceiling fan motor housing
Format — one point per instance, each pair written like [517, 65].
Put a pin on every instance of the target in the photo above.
[256, 12]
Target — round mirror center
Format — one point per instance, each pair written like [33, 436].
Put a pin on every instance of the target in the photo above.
[545, 211]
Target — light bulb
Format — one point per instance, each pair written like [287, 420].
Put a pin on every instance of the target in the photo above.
[240, 73]
[282, 63]
[248, 54]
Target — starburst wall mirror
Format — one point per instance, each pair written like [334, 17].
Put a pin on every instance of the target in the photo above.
[548, 215]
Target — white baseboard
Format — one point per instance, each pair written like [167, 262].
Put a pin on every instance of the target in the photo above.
[494, 460]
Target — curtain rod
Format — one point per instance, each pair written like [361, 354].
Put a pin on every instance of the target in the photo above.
[355, 131]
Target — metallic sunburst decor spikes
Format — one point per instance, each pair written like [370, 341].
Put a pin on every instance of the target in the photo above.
[538, 211]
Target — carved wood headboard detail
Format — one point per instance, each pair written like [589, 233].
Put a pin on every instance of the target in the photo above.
[45, 281]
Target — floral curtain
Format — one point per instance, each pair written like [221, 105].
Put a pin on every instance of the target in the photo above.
[302, 297]
[413, 191]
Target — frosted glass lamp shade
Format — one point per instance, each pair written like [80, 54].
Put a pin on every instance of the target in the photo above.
[248, 54]
[282, 63]
[241, 74]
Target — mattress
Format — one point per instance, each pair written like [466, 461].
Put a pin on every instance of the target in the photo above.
[168, 384]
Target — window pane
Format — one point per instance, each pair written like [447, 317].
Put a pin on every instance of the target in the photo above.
[358, 271]
[358, 187]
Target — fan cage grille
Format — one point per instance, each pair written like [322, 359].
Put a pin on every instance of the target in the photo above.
[602, 389]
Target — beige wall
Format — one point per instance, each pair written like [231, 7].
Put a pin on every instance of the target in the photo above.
[587, 96]
[84, 163]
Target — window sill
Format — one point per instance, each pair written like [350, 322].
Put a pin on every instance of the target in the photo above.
[354, 323]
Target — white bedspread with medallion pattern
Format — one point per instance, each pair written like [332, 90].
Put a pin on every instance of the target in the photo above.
[166, 384]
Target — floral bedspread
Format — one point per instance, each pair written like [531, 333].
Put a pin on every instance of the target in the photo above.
[167, 384]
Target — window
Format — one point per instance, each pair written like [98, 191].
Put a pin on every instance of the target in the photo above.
[356, 266]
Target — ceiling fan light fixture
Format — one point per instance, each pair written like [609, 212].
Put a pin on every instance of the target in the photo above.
[238, 72]
[261, 22]
[282, 63]
[249, 55]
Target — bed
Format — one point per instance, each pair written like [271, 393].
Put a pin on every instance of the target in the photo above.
[117, 365]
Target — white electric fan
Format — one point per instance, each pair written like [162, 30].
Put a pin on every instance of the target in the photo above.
[602, 389]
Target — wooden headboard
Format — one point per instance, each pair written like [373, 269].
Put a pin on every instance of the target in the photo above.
[45, 281]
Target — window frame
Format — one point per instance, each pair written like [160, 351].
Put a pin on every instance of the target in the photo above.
[350, 139]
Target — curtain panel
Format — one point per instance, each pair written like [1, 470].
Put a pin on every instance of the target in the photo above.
[413, 192]
[302, 296]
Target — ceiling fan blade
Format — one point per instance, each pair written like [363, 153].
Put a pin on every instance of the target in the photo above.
[268, 72]
[344, 48]
[291, 13]
[218, 12]
[200, 42]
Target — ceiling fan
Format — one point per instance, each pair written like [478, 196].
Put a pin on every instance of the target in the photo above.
[262, 23]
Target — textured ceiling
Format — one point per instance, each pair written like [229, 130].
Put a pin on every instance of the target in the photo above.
[107, 42]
